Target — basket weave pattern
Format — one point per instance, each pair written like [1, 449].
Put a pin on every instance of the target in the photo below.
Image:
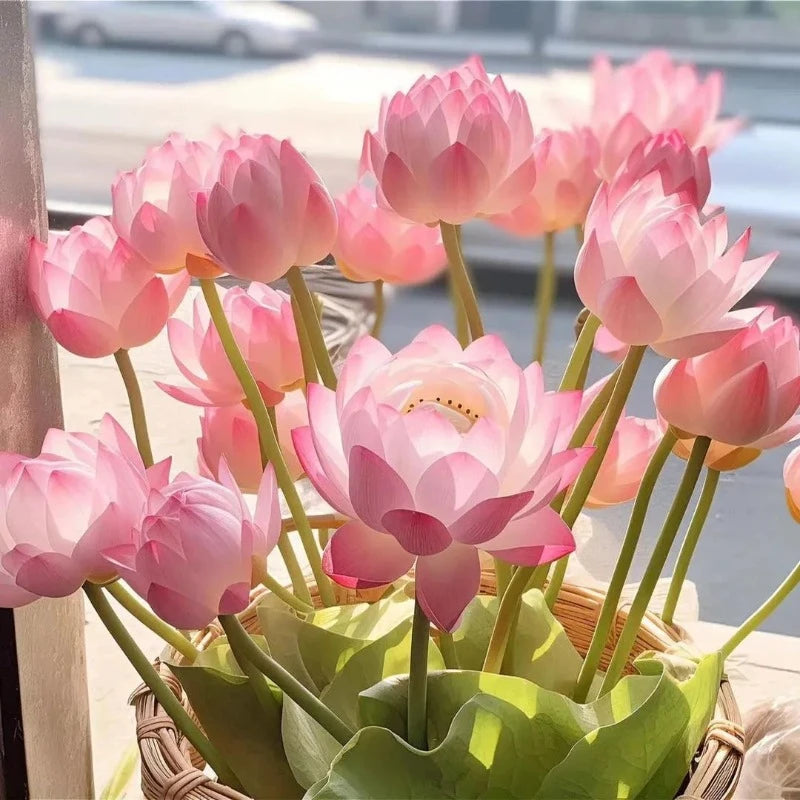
[172, 770]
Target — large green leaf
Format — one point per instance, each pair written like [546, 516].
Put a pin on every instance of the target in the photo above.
[700, 690]
[365, 621]
[540, 650]
[246, 731]
[310, 749]
[312, 654]
[617, 760]
[490, 736]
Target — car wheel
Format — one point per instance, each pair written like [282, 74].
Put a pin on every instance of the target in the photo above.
[235, 44]
[90, 36]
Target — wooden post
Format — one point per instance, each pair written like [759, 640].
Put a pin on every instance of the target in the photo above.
[44, 709]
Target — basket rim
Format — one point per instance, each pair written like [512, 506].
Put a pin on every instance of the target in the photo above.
[171, 769]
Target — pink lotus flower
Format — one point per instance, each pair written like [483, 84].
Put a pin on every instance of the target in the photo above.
[608, 344]
[263, 326]
[192, 556]
[721, 457]
[683, 171]
[657, 274]
[266, 211]
[654, 95]
[95, 294]
[565, 184]
[791, 479]
[744, 393]
[230, 432]
[61, 510]
[154, 205]
[455, 146]
[433, 453]
[374, 243]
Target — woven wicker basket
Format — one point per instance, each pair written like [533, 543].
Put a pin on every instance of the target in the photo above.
[172, 770]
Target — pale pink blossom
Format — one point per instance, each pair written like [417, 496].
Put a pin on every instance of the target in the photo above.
[566, 181]
[455, 146]
[435, 452]
[263, 325]
[375, 243]
[266, 210]
[154, 204]
[657, 273]
[608, 344]
[654, 95]
[95, 294]
[683, 171]
[791, 479]
[745, 393]
[191, 557]
[230, 432]
[60, 511]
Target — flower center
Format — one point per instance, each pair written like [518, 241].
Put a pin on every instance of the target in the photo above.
[460, 415]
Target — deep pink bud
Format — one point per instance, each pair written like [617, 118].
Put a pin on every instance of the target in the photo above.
[266, 211]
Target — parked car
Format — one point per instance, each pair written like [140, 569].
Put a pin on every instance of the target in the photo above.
[235, 28]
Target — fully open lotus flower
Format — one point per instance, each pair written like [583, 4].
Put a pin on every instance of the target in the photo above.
[433, 453]
[230, 432]
[654, 95]
[263, 326]
[566, 181]
[95, 294]
[266, 211]
[745, 393]
[154, 205]
[791, 479]
[192, 555]
[658, 274]
[455, 146]
[683, 171]
[374, 243]
[61, 510]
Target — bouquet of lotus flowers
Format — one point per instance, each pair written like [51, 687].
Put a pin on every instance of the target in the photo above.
[413, 649]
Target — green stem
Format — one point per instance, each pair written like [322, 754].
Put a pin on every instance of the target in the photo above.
[583, 485]
[754, 621]
[580, 356]
[460, 277]
[506, 616]
[162, 692]
[448, 648]
[631, 541]
[380, 309]
[306, 353]
[296, 576]
[324, 535]
[418, 680]
[657, 560]
[268, 441]
[502, 573]
[139, 611]
[137, 405]
[689, 544]
[280, 591]
[594, 412]
[243, 646]
[538, 578]
[545, 292]
[462, 325]
[308, 311]
[579, 234]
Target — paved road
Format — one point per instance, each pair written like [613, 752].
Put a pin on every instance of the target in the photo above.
[750, 541]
